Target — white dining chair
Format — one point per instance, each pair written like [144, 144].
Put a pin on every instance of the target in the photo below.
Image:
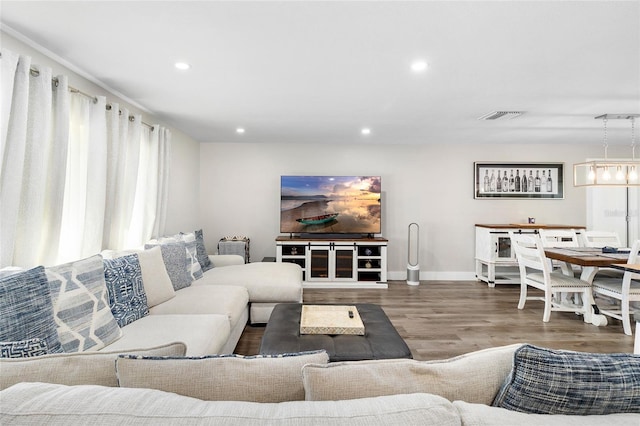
[600, 239]
[561, 238]
[536, 271]
[624, 291]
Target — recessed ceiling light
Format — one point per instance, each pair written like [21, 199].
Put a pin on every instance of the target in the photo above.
[182, 65]
[419, 66]
[240, 130]
[365, 131]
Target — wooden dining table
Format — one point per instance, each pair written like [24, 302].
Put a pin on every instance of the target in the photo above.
[591, 260]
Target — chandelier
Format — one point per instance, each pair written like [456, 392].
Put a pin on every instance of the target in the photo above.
[608, 172]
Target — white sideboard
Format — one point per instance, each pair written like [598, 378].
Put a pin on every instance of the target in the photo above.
[495, 260]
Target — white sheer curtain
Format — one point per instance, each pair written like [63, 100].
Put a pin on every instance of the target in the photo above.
[137, 180]
[164, 164]
[86, 179]
[75, 176]
[35, 117]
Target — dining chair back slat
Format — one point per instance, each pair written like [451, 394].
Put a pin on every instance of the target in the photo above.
[600, 239]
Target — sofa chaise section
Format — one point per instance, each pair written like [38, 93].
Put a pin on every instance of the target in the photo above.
[268, 283]
[230, 301]
[202, 334]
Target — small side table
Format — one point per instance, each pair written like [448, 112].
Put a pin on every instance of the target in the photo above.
[235, 245]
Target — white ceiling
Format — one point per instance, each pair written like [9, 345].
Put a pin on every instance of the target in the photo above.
[316, 72]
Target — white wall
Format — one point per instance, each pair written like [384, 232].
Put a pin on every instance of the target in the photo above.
[234, 188]
[182, 214]
[430, 184]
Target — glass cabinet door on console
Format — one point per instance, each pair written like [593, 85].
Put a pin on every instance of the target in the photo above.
[328, 263]
[503, 247]
[344, 263]
[318, 263]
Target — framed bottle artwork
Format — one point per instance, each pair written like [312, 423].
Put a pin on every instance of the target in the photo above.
[519, 180]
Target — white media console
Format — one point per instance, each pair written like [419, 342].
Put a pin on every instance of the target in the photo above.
[337, 262]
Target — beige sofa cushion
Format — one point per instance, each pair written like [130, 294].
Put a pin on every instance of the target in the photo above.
[480, 414]
[226, 377]
[202, 334]
[265, 281]
[155, 277]
[229, 300]
[40, 404]
[82, 368]
[473, 377]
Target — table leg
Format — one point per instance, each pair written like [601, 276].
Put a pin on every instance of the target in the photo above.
[588, 273]
[596, 318]
[591, 313]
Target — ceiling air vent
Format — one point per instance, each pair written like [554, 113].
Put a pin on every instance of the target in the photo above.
[501, 115]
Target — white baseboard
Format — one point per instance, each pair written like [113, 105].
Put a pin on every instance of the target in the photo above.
[434, 275]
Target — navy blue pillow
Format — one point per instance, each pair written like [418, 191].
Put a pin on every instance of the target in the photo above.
[201, 252]
[127, 298]
[545, 381]
[26, 311]
[23, 349]
[174, 255]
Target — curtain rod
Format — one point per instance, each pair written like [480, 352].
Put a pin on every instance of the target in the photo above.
[35, 72]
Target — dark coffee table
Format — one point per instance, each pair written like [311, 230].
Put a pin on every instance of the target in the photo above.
[380, 341]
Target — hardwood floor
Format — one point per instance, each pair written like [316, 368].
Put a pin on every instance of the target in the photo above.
[441, 319]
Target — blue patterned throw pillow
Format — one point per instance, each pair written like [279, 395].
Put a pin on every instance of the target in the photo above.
[545, 381]
[174, 255]
[26, 311]
[201, 252]
[81, 305]
[23, 348]
[127, 298]
[189, 240]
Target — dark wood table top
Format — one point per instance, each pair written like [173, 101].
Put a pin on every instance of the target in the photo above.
[585, 256]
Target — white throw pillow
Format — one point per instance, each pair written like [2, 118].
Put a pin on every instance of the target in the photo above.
[192, 254]
[155, 278]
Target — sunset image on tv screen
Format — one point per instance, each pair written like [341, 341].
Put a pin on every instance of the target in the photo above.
[330, 204]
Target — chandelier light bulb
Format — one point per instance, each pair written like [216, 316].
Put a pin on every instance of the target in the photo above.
[619, 174]
[606, 175]
[592, 174]
[633, 174]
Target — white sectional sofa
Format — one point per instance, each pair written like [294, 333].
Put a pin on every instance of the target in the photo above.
[136, 299]
[509, 385]
[210, 315]
[268, 283]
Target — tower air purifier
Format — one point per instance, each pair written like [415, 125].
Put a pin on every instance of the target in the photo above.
[413, 266]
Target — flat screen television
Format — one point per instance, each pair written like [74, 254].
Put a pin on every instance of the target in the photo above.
[330, 204]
